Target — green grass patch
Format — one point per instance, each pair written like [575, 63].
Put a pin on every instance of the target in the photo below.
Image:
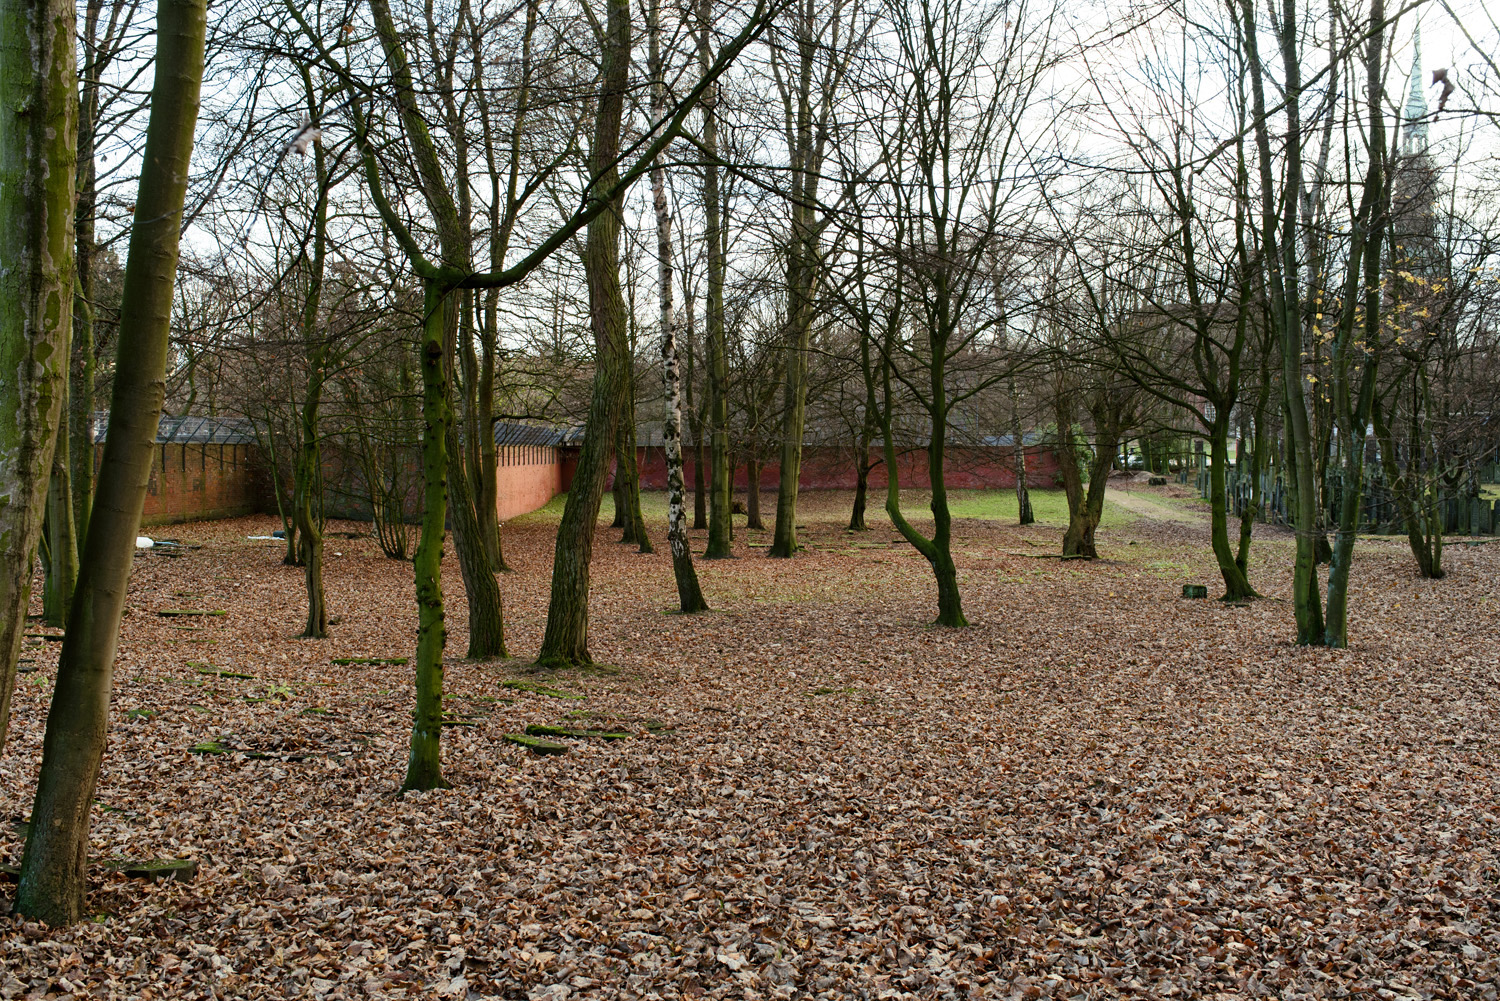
[1166, 568]
[1049, 506]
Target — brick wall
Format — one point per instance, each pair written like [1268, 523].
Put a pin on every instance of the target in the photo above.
[192, 482]
[832, 468]
[527, 477]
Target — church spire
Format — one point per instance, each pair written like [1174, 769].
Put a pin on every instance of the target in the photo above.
[1416, 102]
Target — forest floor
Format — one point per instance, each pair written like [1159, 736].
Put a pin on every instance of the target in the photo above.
[1097, 790]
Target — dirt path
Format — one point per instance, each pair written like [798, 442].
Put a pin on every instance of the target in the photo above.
[1154, 506]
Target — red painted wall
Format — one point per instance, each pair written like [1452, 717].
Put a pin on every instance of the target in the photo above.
[826, 467]
[528, 476]
[191, 482]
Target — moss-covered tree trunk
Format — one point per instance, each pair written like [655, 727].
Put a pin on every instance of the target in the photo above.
[794, 413]
[54, 869]
[1415, 495]
[479, 455]
[486, 607]
[938, 549]
[471, 540]
[617, 492]
[424, 766]
[628, 469]
[784, 534]
[38, 109]
[565, 641]
[1236, 583]
[1078, 540]
[1278, 236]
[1356, 352]
[862, 467]
[624, 484]
[950, 602]
[60, 540]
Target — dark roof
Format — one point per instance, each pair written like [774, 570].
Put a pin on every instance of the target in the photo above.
[522, 433]
[190, 429]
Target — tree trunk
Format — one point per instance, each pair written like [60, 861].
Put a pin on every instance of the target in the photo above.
[617, 494]
[1258, 467]
[689, 593]
[784, 538]
[733, 472]
[293, 556]
[721, 486]
[489, 477]
[81, 417]
[471, 539]
[1078, 540]
[1416, 502]
[487, 505]
[38, 129]
[1279, 236]
[307, 508]
[307, 481]
[950, 604]
[1354, 395]
[1236, 584]
[752, 495]
[695, 428]
[55, 867]
[861, 484]
[60, 539]
[565, 642]
[628, 470]
[81, 371]
[486, 608]
[424, 766]
[1024, 514]
[936, 550]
